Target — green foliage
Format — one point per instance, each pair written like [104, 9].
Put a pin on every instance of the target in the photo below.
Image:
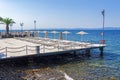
[0, 18]
[7, 22]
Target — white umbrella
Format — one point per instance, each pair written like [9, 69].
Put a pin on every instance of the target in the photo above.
[25, 31]
[66, 32]
[31, 31]
[43, 31]
[54, 32]
[38, 31]
[82, 33]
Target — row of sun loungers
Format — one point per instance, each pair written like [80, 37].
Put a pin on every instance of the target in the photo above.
[55, 44]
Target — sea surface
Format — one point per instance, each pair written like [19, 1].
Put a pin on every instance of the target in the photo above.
[94, 67]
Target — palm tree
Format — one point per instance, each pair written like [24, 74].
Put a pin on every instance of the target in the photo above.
[7, 22]
[1, 18]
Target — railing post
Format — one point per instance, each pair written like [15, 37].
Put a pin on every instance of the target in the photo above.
[26, 50]
[71, 46]
[6, 51]
[58, 47]
[43, 48]
[37, 49]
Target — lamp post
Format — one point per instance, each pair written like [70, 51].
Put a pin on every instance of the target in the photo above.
[21, 24]
[34, 27]
[103, 14]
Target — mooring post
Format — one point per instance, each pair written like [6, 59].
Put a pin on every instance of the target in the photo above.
[37, 49]
[88, 53]
[101, 51]
[43, 48]
[58, 47]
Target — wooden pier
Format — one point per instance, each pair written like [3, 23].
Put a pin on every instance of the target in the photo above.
[20, 48]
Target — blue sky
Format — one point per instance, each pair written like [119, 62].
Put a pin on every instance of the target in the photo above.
[61, 13]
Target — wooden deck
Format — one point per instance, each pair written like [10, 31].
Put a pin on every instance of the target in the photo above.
[14, 48]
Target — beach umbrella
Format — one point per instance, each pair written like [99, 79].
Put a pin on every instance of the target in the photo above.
[61, 36]
[31, 31]
[43, 31]
[66, 32]
[25, 31]
[82, 33]
[54, 32]
[38, 31]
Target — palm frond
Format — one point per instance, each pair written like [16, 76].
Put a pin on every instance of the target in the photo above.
[1, 18]
[7, 21]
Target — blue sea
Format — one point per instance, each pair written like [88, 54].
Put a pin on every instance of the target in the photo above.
[94, 67]
[112, 38]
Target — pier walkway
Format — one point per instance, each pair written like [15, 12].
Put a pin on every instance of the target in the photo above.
[18, 47]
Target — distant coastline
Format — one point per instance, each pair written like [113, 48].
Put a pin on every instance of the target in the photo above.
[106, 28]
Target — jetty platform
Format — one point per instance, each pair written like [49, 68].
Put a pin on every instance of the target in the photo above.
[15, 48]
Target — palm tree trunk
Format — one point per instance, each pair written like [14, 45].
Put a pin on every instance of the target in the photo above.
[7, 29]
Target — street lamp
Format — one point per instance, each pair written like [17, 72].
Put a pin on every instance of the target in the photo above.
[34, 27]
[21, 24]
[103, 14]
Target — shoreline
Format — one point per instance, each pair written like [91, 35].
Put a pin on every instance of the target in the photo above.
[51, 67]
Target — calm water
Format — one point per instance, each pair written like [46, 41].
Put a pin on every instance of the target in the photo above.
[112, 38]
[93, 68]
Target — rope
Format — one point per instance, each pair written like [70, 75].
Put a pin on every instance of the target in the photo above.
[31, 50]
[2, 49]
[2, 52]
[15, 47]
[16, 51]
[30, 46]
[49, 48]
